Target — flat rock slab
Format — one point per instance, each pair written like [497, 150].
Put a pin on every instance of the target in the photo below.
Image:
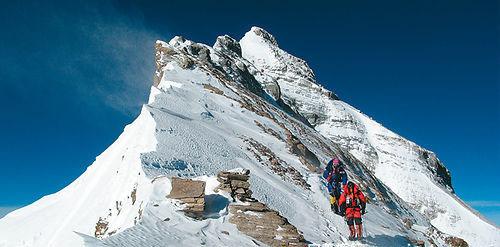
[187, 188]
[256, 220]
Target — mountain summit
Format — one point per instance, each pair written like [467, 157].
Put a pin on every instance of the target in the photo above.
[248, 106]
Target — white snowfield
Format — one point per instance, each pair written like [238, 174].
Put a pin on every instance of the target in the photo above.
[209, 110]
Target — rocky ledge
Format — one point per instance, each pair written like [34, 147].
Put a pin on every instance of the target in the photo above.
[254, 218]
[257, 220]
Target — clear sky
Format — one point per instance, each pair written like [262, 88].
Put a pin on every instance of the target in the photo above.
[73, 75]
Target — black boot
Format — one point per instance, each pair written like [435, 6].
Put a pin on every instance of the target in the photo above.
[335, 208]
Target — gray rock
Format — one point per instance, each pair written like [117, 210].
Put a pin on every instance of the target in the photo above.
[240, 184]
[226, 43]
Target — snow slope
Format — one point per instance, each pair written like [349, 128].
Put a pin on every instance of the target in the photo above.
[52, 220]
[218, 108]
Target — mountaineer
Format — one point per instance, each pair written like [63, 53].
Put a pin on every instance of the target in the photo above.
[336, 177]
[352, 205]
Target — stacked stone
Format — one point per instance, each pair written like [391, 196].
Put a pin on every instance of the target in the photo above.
[236, 183]
[191, 193]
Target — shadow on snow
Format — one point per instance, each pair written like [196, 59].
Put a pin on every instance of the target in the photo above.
[385, 240]
[215, 206]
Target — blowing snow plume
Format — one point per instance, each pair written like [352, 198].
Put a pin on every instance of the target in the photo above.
[91, 51]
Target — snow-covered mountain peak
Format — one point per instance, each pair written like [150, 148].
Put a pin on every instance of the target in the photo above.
[261, 48]
[263, 34]
[247, 104]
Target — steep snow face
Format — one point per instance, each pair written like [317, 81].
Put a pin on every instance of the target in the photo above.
[300, 90]
[113, 189]
[413, 173]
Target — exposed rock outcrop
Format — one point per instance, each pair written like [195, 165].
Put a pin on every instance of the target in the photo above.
[191, 193]
[456, 242]
[277, 165]
[255, 219]
[440, 172]
[226, 43]
[101, 228]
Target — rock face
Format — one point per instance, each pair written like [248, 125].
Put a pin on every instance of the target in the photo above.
[254, 218]
[191, 193]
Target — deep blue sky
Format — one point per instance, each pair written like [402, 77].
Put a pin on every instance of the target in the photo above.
[72, 75]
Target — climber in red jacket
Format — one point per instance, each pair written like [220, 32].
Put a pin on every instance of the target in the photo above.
[352, 205]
